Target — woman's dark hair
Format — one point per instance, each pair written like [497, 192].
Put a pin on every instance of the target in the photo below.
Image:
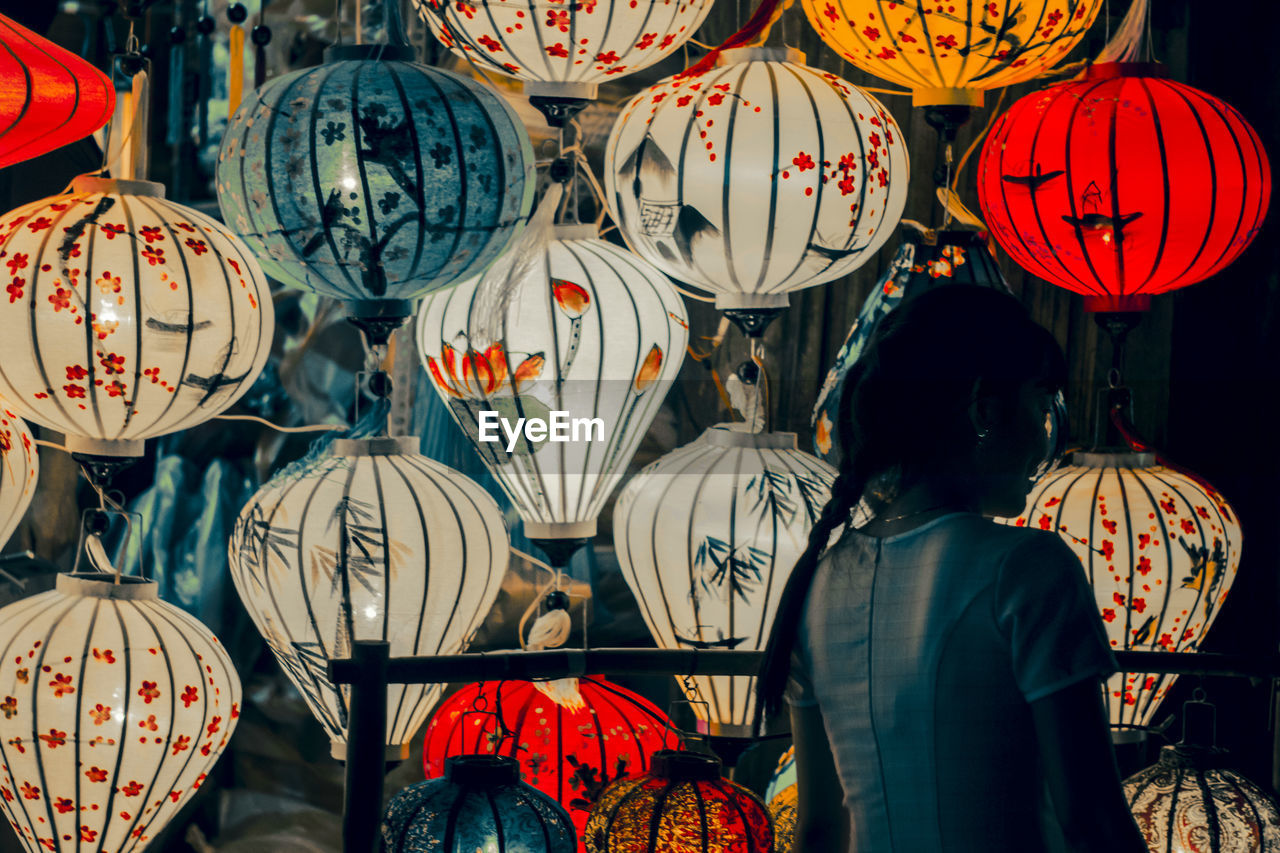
[905, 408]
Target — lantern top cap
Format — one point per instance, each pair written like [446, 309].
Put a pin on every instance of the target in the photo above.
[98, 585]
[1103, 459]
[725, 435]
[398, 445]
[735, 55]
[1192, 757]
[370, 52]
[1109, 70]
[85, 184]
[681, 766]
[482, 771]
[574, 232]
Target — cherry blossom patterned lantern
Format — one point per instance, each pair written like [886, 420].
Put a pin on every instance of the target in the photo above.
[374, 179]
[684, 805]
[756, 177]
[128, 316]
[948, 54]
[116, 707]
[564, 49]
[1161, 549]
[706, 537]
[19, 471]
[49, 96]
[1123, 185]
[370, 542]
[569, 745]
[590, 330]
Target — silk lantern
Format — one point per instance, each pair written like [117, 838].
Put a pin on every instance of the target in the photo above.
[369, 542]
[128, 316]
[922, 262]
[374, 179]
[1190, 801]
[948, 54]
[784, 807]
[755, 178]
[1161, 549]
[569, 745]
[684, 805]
[589, 330]
[49, 97]
[1123, 185]
[480, 805]
[116, 707]
[564, 50]
[19, 471]
[706, 538]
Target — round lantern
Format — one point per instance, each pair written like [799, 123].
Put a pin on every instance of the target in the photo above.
[949, 54]
[564, 50]
[706, 537]
[569, 746]
[49, 97]
[127, 317]
[19, 471]
[757, 177]
[684, 805]
[588, 343]
[116, 706]
[1160, 549]
[1123, 185]
[923, 262]
[373, 179]
[1190, 801]
[371, 542]
[784, 807]
[479, 805]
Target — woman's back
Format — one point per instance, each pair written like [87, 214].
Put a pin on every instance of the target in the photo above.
[922, 651]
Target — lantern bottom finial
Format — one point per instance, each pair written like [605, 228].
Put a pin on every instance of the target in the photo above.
[946, 96]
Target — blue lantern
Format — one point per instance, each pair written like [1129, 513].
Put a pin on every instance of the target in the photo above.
[480, 804]
[374, 179]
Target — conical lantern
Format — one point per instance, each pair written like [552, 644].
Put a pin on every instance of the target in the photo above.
[49, 96]
[19, 471]
[590, 332]
[116, 707]
[706, 538]
[370, 542]
[374, 179]
[755, 178]
[128, 316]
[1161, 549]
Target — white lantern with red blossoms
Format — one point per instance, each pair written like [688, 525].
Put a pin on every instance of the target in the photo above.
[19, 471]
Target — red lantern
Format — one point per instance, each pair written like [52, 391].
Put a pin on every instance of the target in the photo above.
[1123, 185]
[570, 747]
[49, 97]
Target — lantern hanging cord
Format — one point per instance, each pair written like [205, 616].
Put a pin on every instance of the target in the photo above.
[277, 427]
[977, 140]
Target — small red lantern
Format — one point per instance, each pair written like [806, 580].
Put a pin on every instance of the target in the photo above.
[571, 744]
[1123, 185]
[49, 97]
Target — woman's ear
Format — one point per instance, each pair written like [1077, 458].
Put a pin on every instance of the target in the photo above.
[986, 410]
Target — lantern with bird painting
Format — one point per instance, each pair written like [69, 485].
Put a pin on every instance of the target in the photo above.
[19, 471]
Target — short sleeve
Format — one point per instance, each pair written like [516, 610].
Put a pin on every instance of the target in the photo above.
[799, 692]
[1046, 609]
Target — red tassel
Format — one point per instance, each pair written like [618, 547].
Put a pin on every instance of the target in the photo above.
[764, 15]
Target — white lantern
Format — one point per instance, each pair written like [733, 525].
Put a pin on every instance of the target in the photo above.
[115, 706]
[757, 177]
[564, 49]
[1160, 549]
[371, 542]
[592, 333]
[707, 536]
[128, 316]
[19, 471]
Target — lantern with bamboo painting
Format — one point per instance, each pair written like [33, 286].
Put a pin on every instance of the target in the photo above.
[19, 471]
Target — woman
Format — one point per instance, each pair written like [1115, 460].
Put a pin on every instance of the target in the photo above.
[945, 670]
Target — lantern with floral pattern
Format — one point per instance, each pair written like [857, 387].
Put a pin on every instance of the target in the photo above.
[781, 796]
[19, 471]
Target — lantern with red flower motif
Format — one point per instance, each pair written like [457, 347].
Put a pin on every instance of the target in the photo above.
[19, 470]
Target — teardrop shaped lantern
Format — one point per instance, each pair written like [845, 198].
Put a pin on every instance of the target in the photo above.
[570, 746]
[706, 538]
[1123, 185]
[374, 179]
[19, 471]
[479, 805]
[49, 96]
[589, 343]
[684, 805]
[128, 317]
[922, 262]
[370, 542]
[948, 54]
[116, 707]
[755, 178]
[1161, 549]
